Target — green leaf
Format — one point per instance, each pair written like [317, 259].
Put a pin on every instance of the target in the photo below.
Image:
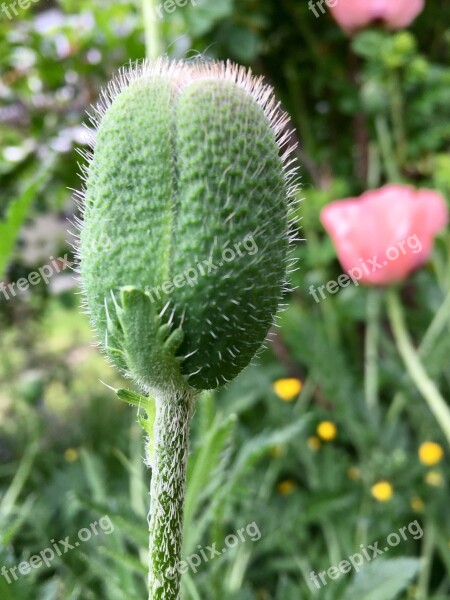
[382, 579]
[120, 583]
[23, 472]
[125, 560]
[201, 467]
[249, 454]
[258, 446]
[8, 533]
[367, 44]
[189, 586]
[16, 215]
[132, 529]
[205, 15]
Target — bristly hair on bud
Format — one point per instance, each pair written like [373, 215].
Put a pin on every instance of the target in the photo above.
[190, 161]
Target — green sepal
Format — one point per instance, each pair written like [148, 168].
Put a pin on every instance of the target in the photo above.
[140, 341]
[135, 399]
[147, 423]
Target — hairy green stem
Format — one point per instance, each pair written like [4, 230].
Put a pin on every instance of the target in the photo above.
[373, 167]
[414, 366]
[439, 323]
[371, 349]
[386, 149]
[168, 459]
[152, 29]
[428, 544]
[397, 112]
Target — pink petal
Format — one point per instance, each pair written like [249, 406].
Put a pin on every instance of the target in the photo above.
[356, 14]
[386, 233]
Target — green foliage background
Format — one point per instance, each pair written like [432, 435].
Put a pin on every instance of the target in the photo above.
[71, 452]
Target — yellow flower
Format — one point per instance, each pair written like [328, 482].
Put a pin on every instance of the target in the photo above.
[382, 491]
[286, 487]
[434, 478]
[354, 473]
[276, 451]
[430, 453]
[313, 442]
[287, 389]
[327, 431]
[71, 455]
[417, 504]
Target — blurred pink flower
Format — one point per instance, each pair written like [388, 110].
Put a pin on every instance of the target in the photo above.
[356, 14]
[386, 233]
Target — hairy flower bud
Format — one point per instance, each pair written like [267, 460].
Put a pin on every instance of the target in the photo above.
[187, 182]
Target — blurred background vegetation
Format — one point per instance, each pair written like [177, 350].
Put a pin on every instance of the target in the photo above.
[301, 458]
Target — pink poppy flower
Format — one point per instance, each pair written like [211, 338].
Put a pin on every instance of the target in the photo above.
[357, 14]
[386, 233]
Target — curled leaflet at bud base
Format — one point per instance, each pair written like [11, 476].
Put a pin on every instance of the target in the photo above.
[187, 182]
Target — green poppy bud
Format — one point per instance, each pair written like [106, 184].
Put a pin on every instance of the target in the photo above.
[187, 183]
